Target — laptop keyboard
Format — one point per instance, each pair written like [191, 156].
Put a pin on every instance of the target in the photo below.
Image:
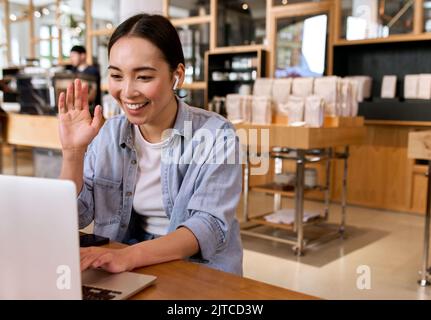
[92, 293]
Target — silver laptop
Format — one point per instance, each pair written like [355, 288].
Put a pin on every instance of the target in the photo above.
[39, 246]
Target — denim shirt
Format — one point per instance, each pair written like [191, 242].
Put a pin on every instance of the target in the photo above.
[197, 192]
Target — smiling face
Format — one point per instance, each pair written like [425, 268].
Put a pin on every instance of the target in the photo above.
[141, 81]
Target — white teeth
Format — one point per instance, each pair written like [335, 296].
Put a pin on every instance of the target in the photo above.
[135, 106]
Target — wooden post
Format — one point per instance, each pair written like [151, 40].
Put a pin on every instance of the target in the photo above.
[31, 30]
[60, 33]
[88, 35]
[7, 31]
[213, 24]
[418, 17]
[165, 8]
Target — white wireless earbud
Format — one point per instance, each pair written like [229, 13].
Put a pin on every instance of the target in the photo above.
[177, 79]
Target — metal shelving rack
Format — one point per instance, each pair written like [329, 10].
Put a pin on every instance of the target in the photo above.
[309, 145]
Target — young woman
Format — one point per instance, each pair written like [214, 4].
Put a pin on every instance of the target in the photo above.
[165, 177]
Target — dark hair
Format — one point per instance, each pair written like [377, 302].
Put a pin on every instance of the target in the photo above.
[156, 29]
[79, 49]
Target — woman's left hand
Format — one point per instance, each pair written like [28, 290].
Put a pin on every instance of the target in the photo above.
[111, 260]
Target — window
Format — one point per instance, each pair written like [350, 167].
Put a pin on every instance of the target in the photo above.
[367, 19]
[195, 41]
[301, 46]
[190, 8]
[241, 22]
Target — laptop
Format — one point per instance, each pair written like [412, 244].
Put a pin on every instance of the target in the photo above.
[39, 246]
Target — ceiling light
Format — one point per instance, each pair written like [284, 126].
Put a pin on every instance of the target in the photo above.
[12, 17]
[284, 2]
[45, 11]
[244, 6]
[37, 14]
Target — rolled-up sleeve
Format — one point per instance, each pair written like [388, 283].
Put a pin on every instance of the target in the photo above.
[212, 208]
[86, 196]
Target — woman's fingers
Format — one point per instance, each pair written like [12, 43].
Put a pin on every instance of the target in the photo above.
[102, 260]
[84, 97]
[61, 103]
[87, 261]
[78, 93]
[97, 121]
[69, 97]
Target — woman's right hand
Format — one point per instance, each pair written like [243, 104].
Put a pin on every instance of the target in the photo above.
[77, 127]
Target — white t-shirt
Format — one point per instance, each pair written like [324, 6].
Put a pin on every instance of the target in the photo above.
[147, 201]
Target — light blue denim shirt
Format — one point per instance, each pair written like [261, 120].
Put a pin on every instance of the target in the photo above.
[200, 178]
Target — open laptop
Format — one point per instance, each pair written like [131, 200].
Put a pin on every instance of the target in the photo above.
[39, 246]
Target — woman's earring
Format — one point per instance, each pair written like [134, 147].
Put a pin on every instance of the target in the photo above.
[177, 79]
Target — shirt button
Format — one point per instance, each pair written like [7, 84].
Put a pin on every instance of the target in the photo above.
[128, 194]
[133, 161]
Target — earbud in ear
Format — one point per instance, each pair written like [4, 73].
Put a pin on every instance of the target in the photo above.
[177, 79]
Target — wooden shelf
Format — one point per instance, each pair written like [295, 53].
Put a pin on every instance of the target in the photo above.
[239, 49]
[303, 137]
[201, 85]
[284, 190]
[191, 20]
[399, 123]
[420, 169]
[390, 39]
[261, 220]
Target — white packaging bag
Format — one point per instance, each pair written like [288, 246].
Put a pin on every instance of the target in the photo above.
[263, 87]
[246, 106]
[364, 86]
[326, 88]
[389, 86]
[281, 89]
[354, 103]
[424, 86]
[294, 109]
[261, 110]
[411, 84]
[314, 111]
[234, 108]
[302, 87]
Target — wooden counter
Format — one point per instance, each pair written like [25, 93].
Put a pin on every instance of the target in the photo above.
[380, 173]
[304, 138]
[32, 131]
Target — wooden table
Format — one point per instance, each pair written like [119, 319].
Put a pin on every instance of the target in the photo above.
[32, 131]
[182, 280]
[301, 141]
[420, 148]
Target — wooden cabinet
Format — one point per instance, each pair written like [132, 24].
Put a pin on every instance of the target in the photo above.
[380, 173]
[419, 189]
[233, 69]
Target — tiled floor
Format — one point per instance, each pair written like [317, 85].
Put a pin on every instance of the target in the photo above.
[389, 244]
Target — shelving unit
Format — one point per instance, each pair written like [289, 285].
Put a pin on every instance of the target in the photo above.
[302, 145]
[225, 72]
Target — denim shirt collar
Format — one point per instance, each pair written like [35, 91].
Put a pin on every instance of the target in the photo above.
[183, 114]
